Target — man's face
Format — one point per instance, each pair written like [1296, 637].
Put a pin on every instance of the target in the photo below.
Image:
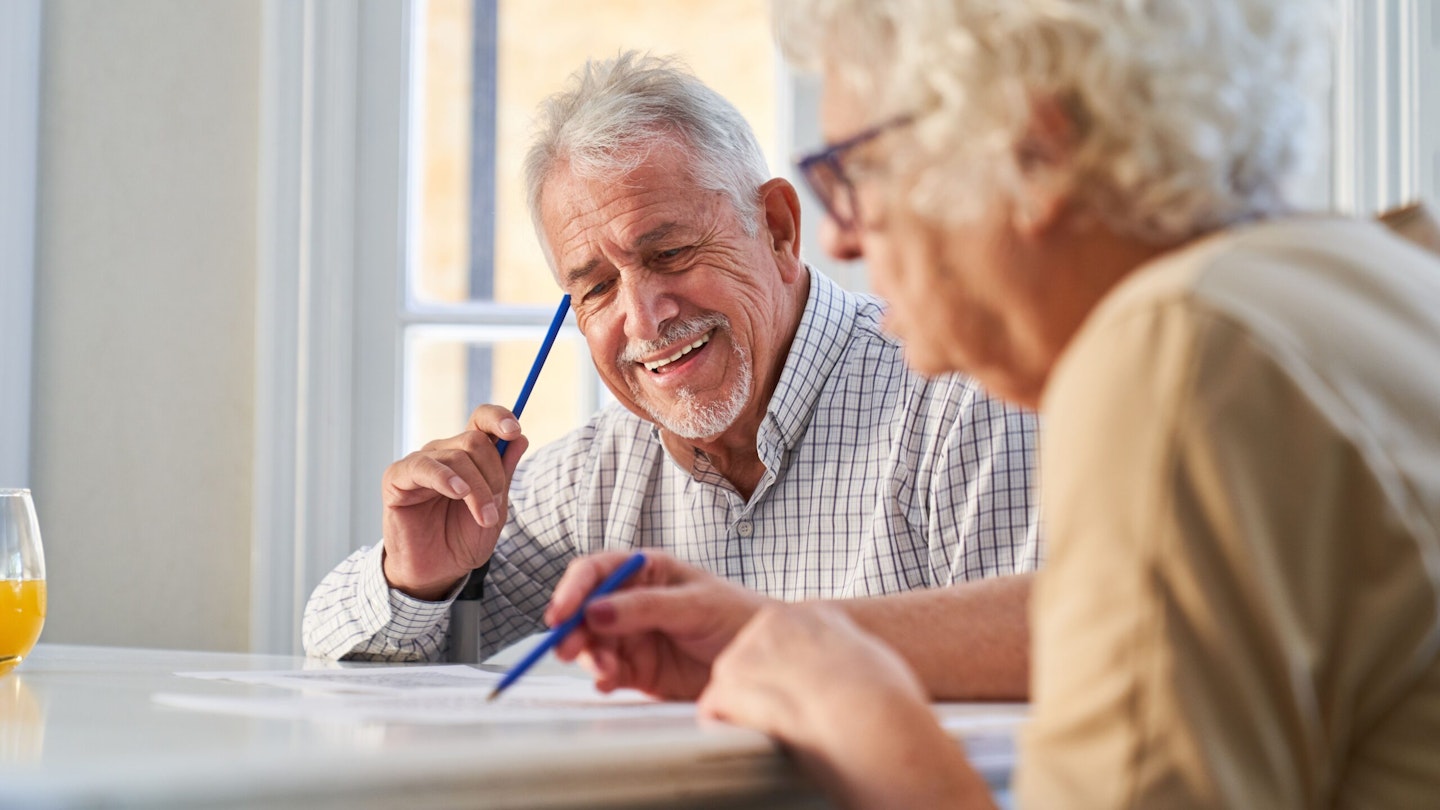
[680, 307]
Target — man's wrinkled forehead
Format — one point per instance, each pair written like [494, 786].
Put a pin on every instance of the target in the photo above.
[638, 210]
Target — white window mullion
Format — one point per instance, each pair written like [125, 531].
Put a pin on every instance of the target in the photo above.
[329, 119]
[284, 94]
[19, 136]
[383, 221]
[327, 304]
[1427, 123]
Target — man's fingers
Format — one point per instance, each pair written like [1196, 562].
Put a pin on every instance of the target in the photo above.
[481, 451]
[512, 456]
[451, 473]
[496, 421]
[419, 477]
[480, 446]
[463, 466]
[483, 501]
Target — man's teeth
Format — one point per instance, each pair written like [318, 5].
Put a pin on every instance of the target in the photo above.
[659, 364]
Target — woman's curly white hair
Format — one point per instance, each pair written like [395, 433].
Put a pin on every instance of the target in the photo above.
[1189, 114]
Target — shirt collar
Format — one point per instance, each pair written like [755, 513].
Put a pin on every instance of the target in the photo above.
[820, 341]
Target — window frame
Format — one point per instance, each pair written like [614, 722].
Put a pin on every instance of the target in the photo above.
[333, 127]
[20, 53]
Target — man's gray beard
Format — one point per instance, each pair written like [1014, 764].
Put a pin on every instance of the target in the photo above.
[689, 418]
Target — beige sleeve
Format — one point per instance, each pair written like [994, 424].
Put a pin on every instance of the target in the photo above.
[1198, 510]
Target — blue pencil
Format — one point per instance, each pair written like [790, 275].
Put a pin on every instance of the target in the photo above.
[565, 628]
[472, 589]
[537, 365]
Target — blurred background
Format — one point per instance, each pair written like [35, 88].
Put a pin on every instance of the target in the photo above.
[252, 251]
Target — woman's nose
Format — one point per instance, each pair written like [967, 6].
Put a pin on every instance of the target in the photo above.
[841, 243]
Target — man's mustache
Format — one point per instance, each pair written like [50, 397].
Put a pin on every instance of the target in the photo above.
[675, 334]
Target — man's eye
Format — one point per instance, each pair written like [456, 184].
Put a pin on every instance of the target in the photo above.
[672, 253]
[599, 289]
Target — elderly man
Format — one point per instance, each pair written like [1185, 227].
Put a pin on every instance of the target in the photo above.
[769, 433]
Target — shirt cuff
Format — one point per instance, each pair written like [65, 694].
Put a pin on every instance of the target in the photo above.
[403, 611]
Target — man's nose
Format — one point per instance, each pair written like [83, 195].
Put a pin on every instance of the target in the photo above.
[842, 243]
[648, 304]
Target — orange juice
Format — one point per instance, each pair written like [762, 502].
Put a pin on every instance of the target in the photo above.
[22, 614]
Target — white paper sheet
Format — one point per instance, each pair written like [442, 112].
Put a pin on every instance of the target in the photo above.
[439, 695]
[456, 695]
[987, 730]
[427, 709]
[397, 680]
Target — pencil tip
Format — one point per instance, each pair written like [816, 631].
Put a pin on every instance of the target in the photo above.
[494, 693]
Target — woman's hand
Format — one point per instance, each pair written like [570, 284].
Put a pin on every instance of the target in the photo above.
[659, 633]
[846, 705]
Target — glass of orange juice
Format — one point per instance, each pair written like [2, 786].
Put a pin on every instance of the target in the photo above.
[22, 578]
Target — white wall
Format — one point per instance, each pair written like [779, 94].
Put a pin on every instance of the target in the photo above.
[144, 324]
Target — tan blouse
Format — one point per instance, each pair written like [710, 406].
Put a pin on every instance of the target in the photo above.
[1240, 473]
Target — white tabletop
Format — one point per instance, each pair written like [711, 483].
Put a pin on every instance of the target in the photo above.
[79, 728]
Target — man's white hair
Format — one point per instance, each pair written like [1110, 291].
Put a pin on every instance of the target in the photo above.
[1189, 114]
[613, 112]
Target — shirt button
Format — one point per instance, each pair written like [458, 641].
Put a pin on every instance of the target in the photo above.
[744, 527]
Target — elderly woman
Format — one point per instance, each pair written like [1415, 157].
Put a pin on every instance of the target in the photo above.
[1083, 203]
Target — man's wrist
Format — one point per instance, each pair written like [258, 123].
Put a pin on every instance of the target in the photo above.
[435, 591]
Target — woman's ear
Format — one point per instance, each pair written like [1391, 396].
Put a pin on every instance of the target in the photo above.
[1044, 158]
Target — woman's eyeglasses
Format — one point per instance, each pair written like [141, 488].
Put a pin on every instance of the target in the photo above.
[824, 173]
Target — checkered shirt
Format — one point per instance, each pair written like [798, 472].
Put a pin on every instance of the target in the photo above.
[877, 481]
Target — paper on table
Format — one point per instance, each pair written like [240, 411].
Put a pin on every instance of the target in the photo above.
[981, 718]
[425, 709]
[432, 695]
[987, 730]
[391, 680]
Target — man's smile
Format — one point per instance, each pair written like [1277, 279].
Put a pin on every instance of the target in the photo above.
[660, 366]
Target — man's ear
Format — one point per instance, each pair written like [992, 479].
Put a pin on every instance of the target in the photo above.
[1044, 157]
[781, 207]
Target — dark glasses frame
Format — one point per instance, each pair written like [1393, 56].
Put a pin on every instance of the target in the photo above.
[824, 172]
